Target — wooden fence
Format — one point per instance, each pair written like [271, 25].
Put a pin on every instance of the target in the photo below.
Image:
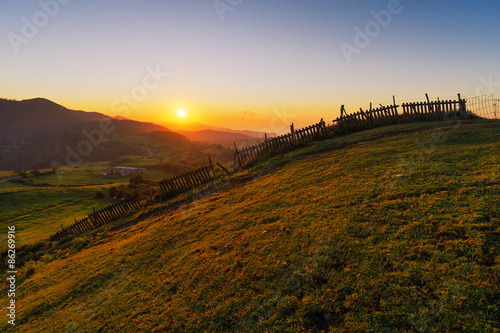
[382, 116]
[438, 110]
[111, 212]
[279, 144]
[188, 180]
[412, 112]
[96, 219]
[385, 115]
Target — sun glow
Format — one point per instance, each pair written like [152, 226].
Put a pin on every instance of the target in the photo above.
[181, 113]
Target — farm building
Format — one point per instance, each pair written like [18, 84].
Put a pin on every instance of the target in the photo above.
[126, 171]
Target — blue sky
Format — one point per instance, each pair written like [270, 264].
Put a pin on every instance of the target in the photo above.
[264, 57]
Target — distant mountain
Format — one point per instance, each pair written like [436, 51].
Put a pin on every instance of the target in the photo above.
[219, 137]
[38, 133]
[27, 118]
[38, 116]
[249, 133]
[192, 126]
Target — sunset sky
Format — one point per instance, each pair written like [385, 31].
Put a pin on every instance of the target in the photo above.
[250, 64]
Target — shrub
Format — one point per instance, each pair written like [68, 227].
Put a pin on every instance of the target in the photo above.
[136, 179]
[36, 172]
[23, 174]
[113, 191]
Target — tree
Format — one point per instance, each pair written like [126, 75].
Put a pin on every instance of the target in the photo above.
[113, 191]
[136, 179]
[23, 174]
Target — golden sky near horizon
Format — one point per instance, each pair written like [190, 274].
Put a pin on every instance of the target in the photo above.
[246, 64]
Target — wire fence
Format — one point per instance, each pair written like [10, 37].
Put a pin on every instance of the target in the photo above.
[485, 106]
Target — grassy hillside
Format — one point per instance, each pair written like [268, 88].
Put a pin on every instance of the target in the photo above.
[38, 213]
[394, 229]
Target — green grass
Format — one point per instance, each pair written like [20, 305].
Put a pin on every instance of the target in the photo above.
[8, 186]
[394, 229]
[135, 161]
[38, 213]
[85, 176]
[79, 177]
[6, 174]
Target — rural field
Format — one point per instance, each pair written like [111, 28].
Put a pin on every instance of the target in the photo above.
[40, 211]
[394, 229]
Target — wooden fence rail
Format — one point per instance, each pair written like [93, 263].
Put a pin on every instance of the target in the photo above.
[382, 116]
[118, 209]
[439, 110]
[188, 180]
[96, 219]
[280, 143]
[387, 115]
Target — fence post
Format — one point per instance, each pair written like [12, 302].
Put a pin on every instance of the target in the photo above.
[370, 107]
[461, 106]
[395, 109]
[367, 117]
[431, 109]
[292, 131]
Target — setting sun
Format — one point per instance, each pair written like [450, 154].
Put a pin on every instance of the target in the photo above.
[181, 113]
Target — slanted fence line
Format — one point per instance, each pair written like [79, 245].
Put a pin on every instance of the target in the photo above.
[385, 115]
[96, 219]
[280, 144]
[116, 210]
[382, 116]
[188, 180]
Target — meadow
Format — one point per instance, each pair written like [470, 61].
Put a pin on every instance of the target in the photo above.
[38, 213]
[392, 229]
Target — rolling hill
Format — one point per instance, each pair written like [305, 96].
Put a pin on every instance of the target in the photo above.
[393, 229]
[191, 126]
[38, 133]
[28, 118]
[35, 116]
[221, 138]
